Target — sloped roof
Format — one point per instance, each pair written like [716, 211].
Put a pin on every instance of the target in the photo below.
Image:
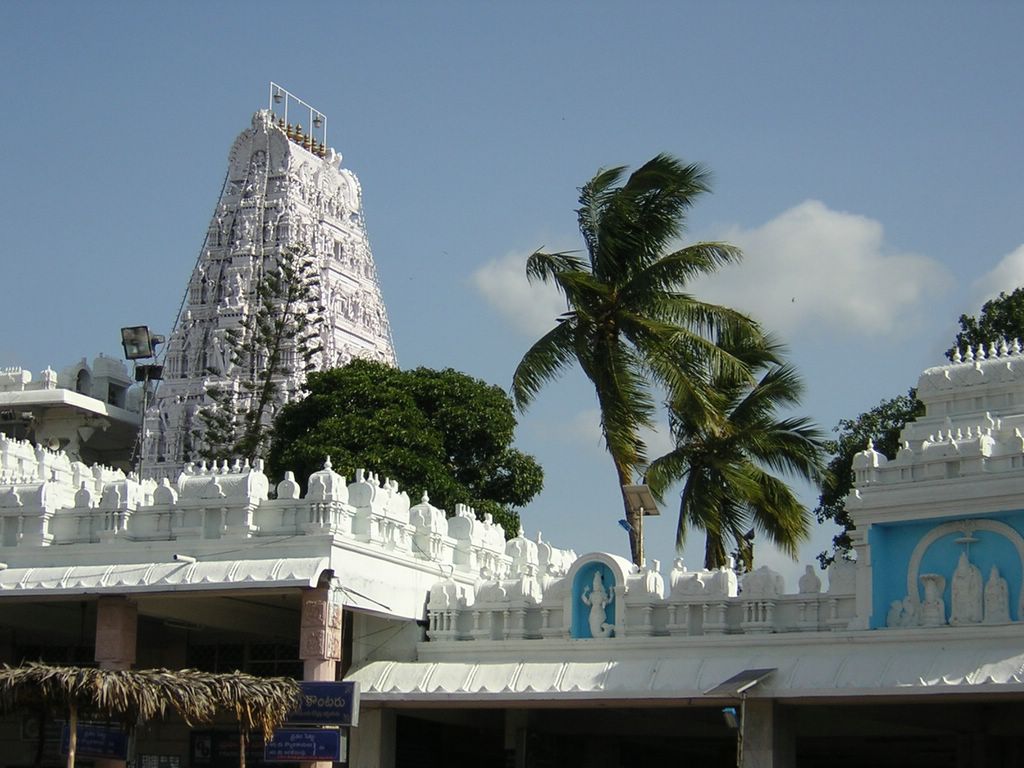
[820, 670]
[126, 578]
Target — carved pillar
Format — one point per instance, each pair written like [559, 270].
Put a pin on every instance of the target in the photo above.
[320, 641]
[116, 632]
[320, 634]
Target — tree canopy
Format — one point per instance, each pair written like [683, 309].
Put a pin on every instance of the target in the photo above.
[882, 426]
[438, 431]
[629, 323]
[1000, 318]
[733, 458]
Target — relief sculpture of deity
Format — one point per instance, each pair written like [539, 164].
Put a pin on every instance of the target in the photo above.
[997, 599]
[933, 609]
[966, 593]
[598, 599]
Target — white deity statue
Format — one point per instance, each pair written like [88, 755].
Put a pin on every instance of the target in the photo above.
[598, 599]
[902, 613]
[235, 289]
[892, 619]
[933, 609]
[997, 599]
[966, 593]
[809, 583]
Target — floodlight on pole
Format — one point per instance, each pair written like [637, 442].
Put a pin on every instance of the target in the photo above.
[140, 344]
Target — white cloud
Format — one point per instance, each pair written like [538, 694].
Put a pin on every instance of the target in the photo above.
[658, 440]
[810, 269]
[532, 308]
[586, 428]
[1007, 275]
[823, 271]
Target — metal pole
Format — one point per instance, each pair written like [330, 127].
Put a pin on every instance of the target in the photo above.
[142, 417]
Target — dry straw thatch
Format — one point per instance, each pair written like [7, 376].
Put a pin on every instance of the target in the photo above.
[132, 696]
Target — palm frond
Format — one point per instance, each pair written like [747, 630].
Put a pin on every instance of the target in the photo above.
[594, 197]
[544, 266]
[673, 271]
[543, 362]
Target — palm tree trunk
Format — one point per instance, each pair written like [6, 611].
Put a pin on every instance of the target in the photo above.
[241, 748]
[714, 552]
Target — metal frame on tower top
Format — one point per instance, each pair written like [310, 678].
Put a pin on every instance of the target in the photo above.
[317, 119]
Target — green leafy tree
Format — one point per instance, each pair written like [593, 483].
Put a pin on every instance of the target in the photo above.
[1001, 318]
[881, 426]
[281, 335]
[730, 458]
[629, 323]
[441, 432]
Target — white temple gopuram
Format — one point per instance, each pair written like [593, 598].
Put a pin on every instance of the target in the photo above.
[285, 192]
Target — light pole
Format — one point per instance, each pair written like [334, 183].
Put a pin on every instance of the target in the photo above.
[641, 503]
[140, 344]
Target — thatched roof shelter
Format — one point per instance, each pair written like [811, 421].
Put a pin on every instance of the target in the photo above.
[136, 695]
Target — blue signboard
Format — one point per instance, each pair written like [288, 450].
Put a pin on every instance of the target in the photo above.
[97, 740]
[327, 704]
[301, 745]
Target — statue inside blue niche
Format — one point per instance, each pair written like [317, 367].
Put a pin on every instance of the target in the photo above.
[966, 593]
[597, 598]
[997, 599]
[972, 601]
[593, 601]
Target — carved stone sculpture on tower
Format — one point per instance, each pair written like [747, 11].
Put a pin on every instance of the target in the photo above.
[279, 198]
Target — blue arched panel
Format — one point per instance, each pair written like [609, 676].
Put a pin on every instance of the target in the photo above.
[584, 583]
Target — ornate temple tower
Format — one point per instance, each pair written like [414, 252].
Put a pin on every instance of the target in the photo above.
[285, 194]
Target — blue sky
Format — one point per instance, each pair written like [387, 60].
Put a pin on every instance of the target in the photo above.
[867, 156]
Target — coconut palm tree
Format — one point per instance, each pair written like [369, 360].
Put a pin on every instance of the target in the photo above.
[730, 455]
[629, 323]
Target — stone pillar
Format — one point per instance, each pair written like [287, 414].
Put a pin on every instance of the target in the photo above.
[320, 640]
[116, 631]
[768, 736]
[516, 724]
[116, 628]
[372, 744]
[865, 588]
